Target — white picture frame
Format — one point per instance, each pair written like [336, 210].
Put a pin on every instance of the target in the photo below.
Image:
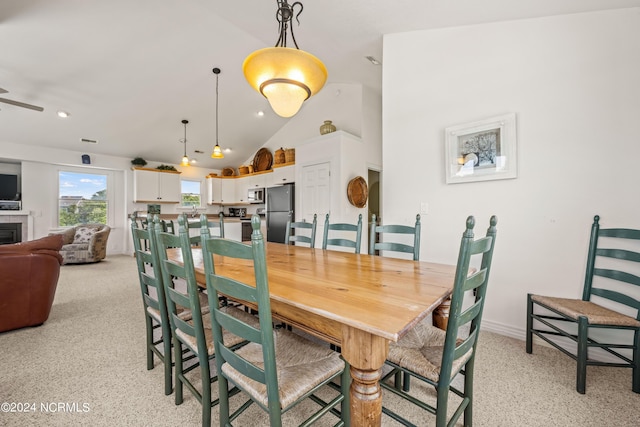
[481, 151]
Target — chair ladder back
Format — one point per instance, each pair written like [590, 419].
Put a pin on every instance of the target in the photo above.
[217, 283]
[190, 225]
[206, 225]
[464, 282]
[376, 230]
[628, 257]
[291, 236]
[339, 241]
[148, 262]
[186, 272]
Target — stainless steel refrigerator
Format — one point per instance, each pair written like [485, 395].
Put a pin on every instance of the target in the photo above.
[280, 205]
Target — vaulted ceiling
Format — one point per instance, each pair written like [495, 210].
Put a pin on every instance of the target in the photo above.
[129, 72]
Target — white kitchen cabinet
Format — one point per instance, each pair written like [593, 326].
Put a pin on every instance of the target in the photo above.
[282, 175]
[228, 190]
[233, 231]
[214, 190]
[221, 190]
[151, 185]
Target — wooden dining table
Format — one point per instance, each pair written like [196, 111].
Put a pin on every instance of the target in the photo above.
[358, 302]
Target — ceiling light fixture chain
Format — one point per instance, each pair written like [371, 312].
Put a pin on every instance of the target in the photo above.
[217, 151]
[185, 159]
[283, 16]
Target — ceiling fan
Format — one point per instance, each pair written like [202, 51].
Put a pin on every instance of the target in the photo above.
[19, 104]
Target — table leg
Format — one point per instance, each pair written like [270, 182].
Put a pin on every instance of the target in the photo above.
[366, 354]
[441, 314]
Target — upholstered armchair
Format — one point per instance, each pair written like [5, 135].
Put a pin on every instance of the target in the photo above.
[84, 243]
[29, 274]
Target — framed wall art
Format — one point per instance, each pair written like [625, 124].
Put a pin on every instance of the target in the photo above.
[481, 151]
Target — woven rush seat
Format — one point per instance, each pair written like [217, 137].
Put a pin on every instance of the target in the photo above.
[301, 365]
[184, 313]
[229, 338]
[596, 314]
[420, 351]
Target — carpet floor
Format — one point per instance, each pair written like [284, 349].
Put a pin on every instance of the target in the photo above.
[86, 366]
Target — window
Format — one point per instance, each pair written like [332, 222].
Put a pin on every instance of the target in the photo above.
[190, 193]
[82, 198]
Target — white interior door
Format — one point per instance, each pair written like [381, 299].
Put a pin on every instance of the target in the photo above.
[315, 195]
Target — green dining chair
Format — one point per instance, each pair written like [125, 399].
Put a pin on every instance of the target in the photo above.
[278, 368]
[193, 333]
[436, 356]
[292, 232]
[341, 229]
[611, 276]
[386, 238]
[218, 226]
[158, 331]
[380, 238]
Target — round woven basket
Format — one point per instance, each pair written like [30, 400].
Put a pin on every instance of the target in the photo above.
[358, 192]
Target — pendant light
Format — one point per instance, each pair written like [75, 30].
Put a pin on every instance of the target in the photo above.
[217, 152]
[285, 76]
[185, 159]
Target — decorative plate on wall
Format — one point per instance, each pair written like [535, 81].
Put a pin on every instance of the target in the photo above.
[358, 192]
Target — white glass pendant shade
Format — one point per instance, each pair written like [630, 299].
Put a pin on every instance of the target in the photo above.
[285, 76]
[185, 161]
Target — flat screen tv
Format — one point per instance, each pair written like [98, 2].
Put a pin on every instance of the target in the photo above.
[9, 187]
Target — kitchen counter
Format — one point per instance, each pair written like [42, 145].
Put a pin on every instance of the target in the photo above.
[210, 216]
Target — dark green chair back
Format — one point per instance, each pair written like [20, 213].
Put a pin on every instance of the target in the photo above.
[611, 277]
[340, 228]
[263, 371]
[187, 332]
[291, 233]
[456, 348]
[153, 301]
[379, 238]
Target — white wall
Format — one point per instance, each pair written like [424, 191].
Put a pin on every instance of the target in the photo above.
[351, 108]
[573, 82]
[39, 173]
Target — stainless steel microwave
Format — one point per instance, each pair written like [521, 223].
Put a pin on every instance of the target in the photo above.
[255, 195]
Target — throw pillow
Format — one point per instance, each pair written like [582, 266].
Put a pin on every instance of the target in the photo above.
[84, 234]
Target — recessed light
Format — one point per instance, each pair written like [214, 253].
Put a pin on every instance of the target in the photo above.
[63, 114]
[260, 113]
[227, 150]
[373, 60]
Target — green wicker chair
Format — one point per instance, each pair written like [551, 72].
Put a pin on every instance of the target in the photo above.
[379, 238]
[611, 280]
[291, 234]
[437, 357]
[193, 333]
[278, 368]
[341, 228]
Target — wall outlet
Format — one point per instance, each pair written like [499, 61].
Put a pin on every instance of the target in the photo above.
[424, 208]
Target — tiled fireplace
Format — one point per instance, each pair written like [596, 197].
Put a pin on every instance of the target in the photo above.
[15, 225]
